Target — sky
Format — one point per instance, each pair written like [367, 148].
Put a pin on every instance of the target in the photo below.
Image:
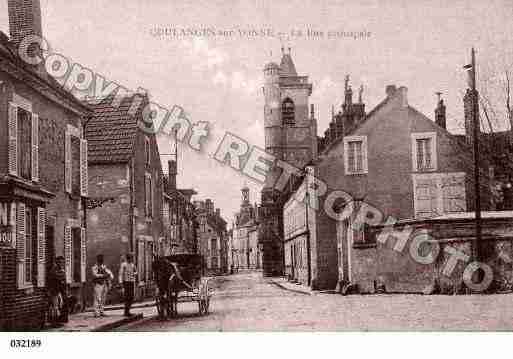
[418, 44]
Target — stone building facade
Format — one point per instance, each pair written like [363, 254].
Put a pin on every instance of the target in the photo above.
[126, 188]
[179, 217]
[43, 179]
[394, 160]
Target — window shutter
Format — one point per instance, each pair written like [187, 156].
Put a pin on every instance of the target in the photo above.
[35, 147]
[425, 198]
[67, 161]
[20, 243]
[41, 247]
[83, 168]
[13, 139]
[83, 253]
[67, 253]
[165, 212]
[453, 189]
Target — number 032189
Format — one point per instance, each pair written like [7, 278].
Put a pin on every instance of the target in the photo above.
[25, 343]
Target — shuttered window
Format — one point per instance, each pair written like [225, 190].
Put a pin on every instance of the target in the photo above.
[34, 170]
[29, 228]
[41, 247]
[23, 133]
[29, 244]
[75, 256]
[83, 169]
[13, 139]
[68, 254]
[83, 255]
[20, 243]
[24, 144]
[75, 162]
[439, 193]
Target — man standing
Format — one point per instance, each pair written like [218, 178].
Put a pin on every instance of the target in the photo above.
[57, 289]
[127, 278]
[101, 279]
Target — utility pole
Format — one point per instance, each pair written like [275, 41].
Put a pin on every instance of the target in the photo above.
[471, 69]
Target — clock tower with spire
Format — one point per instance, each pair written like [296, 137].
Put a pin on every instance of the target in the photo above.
[291, 136]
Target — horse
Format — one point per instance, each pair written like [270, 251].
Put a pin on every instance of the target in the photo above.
[163, 271]
[176, 285]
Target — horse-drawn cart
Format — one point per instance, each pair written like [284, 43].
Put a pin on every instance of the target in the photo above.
[180, 279]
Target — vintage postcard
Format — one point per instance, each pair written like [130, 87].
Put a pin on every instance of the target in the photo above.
[255, 166]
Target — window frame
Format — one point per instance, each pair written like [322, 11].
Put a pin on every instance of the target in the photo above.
[364, 155]
[415, 136]
[286, 112]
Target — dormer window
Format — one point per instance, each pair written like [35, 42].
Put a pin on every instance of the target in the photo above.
[287, 111]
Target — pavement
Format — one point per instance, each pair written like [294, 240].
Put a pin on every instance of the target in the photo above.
[86, 322]
[293, 287]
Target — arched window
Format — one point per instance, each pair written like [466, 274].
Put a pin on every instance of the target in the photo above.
[287, 111]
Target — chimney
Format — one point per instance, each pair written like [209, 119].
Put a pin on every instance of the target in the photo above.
[209, 206]
[440, 118]
[171, 164]
[390, 90]
[218, 212]
[404, 96]
[24, 19]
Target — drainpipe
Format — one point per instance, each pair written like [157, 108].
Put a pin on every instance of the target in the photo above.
[308, 254]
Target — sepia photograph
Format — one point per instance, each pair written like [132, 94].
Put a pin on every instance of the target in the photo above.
[254, 166]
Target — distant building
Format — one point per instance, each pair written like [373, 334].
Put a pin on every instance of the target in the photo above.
[43, 179]
[212, 237]
[179, 217]
[245, 235]
[125, 181]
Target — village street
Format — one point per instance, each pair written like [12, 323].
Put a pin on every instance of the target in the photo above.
[248, 302]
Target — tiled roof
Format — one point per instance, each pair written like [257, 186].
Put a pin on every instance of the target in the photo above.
[111, 132]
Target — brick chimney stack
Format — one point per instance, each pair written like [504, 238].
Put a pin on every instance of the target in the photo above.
[171, 164]
[24, 19]
[209, 204]
[390, 90]
[440, 118]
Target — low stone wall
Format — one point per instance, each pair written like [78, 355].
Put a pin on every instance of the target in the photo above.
[400, 272]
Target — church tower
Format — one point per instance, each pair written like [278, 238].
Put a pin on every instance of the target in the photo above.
[291, 136]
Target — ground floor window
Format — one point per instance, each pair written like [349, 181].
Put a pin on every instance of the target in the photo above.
[76, 249]
[27, 226]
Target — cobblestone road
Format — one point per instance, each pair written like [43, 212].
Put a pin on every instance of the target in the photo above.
[249, 302]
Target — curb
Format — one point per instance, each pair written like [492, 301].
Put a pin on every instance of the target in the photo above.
[121, 307]
[113, 325]
[289, 289]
